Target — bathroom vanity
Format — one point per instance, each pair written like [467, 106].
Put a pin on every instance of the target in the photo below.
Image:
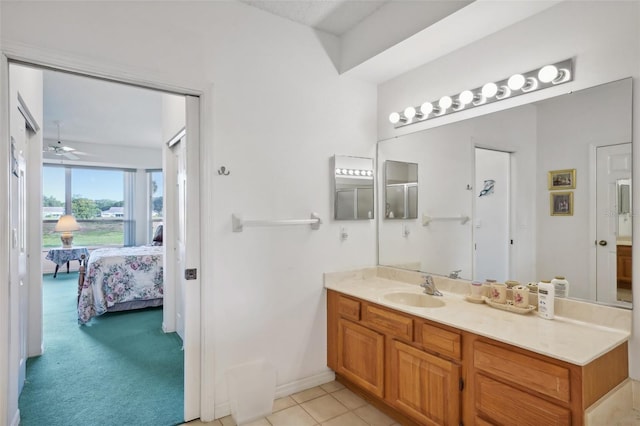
[464, 363]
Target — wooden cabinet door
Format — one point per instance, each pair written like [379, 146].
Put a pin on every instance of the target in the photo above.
[424, 386]
[361, 356]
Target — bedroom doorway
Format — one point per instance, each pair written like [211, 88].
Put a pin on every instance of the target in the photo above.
[191, 311]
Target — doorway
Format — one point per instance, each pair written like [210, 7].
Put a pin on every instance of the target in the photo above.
[492, 212]
[613, 224]
[192, 332]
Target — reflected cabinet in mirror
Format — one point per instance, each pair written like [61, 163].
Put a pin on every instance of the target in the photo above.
[494, 169]
[353, 188]
[400, 190]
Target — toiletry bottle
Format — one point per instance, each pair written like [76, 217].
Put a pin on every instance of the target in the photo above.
[561, 286]
[546, 295]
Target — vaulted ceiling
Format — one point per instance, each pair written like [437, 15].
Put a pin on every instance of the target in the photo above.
[379, 39]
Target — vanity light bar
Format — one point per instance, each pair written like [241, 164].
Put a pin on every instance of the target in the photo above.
[517, 84]
[353, 172]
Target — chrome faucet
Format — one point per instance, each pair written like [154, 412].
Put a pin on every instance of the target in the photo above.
[455, 274]
[429, 286]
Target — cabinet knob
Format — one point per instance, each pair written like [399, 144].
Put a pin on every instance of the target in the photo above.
[602, 243]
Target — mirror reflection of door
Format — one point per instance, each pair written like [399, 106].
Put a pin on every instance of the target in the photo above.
[491, 221]
[613, 224]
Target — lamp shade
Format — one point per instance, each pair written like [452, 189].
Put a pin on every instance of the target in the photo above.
[66, 223]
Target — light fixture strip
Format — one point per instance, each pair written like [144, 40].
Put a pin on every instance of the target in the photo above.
[518, 84]
[353, 172]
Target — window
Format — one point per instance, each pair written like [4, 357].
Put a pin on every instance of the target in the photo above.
[156, 201]
[95, 196]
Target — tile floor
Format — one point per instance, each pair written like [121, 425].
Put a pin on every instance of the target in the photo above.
[330, 404]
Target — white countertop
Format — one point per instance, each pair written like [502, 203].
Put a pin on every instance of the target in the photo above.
[573, 341]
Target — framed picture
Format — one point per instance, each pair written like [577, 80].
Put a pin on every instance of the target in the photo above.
[561, 203]
[562, 179]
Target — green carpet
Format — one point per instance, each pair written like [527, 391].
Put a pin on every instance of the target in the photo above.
[119, 369]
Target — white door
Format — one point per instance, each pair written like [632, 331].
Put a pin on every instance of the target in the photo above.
[179, 226]
[613, 163]
[18, 295]
[491, 215]
[189, 272]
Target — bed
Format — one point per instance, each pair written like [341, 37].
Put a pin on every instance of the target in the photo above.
[119, 279]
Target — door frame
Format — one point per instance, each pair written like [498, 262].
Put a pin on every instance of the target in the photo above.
[108, 71]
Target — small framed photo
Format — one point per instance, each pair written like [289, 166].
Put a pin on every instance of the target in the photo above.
[561, 203]
[562, 179]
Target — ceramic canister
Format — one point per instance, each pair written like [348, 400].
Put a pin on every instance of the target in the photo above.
[486, 288]
[520, 296]
[498, 293]
[475, 289]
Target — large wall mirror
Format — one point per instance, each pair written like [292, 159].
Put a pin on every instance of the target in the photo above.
[353, 188]
[488, 211]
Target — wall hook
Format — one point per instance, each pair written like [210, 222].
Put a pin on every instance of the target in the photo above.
[223, 171]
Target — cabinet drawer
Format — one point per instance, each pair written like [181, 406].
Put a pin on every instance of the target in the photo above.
[438, 340]
[394, 324]
[348, 308]
[537, 375]
[509, 406]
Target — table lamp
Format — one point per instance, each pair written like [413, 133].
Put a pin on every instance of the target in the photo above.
[66, 224]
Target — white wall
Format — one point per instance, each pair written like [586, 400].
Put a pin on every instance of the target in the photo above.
[603, 39]
[278, 112]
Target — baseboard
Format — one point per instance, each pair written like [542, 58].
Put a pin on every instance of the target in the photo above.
[635, 391]
[224, 409]
[16, 419]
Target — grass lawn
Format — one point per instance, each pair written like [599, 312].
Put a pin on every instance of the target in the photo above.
[92, 233]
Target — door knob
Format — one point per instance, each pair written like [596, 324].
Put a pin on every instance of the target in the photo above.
[602, 243]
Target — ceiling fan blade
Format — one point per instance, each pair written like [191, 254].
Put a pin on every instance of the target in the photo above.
[70, 156]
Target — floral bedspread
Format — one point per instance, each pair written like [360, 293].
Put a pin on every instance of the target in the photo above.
[121, 274]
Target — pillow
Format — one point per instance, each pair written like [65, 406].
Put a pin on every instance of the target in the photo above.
[157, 236]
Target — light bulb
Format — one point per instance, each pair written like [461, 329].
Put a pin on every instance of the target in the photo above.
[344, 171]
[350, 172]
[426, 108]
[548, 73]
[394, 118]
[445, 102]
[409, 112]
[489, 90]
[369, 172]
[357, 172]
[516, 82]
[466, 97]
[337, 171]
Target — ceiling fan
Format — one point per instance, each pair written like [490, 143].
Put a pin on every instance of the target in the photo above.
[63, 150]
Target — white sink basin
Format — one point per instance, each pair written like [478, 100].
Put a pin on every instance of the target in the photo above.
[416, 300]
